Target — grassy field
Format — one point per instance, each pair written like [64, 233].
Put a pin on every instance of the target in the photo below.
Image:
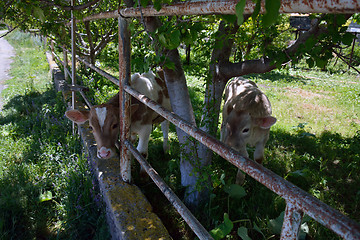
[47, 190]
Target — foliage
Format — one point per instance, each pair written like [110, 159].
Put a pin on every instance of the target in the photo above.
[47, 190]
[322, 170]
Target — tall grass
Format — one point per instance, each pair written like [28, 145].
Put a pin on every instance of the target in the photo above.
[47, 190]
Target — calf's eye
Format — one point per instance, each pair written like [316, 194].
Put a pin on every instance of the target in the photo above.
[246, 130]
[114, 126]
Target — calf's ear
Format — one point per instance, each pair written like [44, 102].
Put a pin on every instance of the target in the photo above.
[265, 122]
[77, 116]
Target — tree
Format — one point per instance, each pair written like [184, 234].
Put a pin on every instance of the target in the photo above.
[238, 45]
[52, 19]
[260, 54]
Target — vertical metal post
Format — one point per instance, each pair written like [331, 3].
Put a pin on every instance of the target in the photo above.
[124, 98]
[52, 49]
[65, 64]
[73, 59]
[292, 222]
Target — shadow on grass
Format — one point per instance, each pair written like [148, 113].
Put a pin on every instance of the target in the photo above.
[47, 190]
[327, 165]
[283, 76]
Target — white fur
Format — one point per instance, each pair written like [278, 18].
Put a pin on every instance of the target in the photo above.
[101, 115]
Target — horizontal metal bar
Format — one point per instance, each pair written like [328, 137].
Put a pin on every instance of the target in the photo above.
[98, 70]
[228, 7]
[75, 88]
[327, 216]
[62, 63]
[86, 99]
[78, 88]
[185, 213]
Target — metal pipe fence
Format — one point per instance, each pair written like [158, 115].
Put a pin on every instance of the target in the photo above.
[298, 202]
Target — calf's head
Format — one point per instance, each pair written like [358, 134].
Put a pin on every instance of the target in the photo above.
[241, 128]
[104, 121]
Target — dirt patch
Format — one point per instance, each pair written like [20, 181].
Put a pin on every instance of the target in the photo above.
[316, 108]
[6, 54]
[304, 94]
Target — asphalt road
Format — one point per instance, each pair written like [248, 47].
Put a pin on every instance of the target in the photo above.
[6, 54]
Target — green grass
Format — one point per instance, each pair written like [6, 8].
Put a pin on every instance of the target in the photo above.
[47, 189]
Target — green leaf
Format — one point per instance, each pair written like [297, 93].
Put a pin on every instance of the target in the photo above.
[162, 39]
[310, 43]
[157, 5]
[258, 230]
[310, 62]
[275, 225]
[222, 177]
[272, 12]
[39, 13]
[256, 10]
[347, 39]
[229, 18]
[235, 191]
[46, 196]
[169, 64]
[144, 3]
[239, 10]
[321, 63]
[223, 229]
[174, 39]
[243, 233]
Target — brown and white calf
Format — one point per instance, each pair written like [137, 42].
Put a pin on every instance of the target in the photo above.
[246, 119]
[104, 118]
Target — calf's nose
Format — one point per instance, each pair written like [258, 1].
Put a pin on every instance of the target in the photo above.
[104, 152]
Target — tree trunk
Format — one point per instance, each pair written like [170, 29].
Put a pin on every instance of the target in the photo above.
[181, 105]
[214, 89]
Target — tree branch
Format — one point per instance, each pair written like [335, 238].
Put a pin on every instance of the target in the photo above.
[69, 8]
[263, 65]
[11, 30]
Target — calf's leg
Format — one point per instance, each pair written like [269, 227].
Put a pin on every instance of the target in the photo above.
[142, 147]
[165, 131]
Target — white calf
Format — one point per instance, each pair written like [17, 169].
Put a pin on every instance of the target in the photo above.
[246, 119]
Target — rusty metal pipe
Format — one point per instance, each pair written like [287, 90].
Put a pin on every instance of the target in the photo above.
[228, 7]
[100, 71]
[185, 213]
[301, 200]
[96, 69]
[124, 98]
[292, 223]
[67, 72]
[73, 60]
